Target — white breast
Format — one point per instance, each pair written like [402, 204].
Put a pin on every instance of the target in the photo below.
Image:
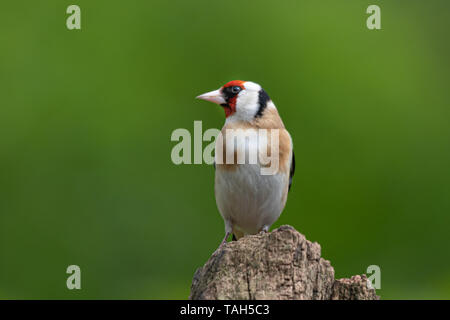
[248, 200]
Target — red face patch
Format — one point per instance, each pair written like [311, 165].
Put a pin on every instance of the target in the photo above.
[230, 92]
[238, 83]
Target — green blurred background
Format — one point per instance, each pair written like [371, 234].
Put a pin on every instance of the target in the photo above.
[86, 117]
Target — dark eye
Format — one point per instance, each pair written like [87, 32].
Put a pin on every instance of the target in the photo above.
[235, 89]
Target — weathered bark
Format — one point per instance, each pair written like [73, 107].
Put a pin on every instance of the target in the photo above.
[278, 265]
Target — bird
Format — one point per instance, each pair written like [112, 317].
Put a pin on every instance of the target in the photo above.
[249, 201]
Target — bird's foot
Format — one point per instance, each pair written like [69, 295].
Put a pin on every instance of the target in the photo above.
[264, 230]
[224, 241]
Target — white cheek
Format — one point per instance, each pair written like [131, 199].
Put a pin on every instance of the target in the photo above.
[247, 105]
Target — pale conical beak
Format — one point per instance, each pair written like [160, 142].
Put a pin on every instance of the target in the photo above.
[213, 96]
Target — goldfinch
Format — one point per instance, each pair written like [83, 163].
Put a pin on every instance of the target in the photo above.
[249, 201]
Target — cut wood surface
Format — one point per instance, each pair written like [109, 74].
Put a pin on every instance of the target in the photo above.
[278, 265]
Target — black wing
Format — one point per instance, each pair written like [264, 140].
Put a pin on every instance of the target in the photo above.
[291, 173]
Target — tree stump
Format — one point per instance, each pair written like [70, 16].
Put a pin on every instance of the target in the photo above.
[278, 265]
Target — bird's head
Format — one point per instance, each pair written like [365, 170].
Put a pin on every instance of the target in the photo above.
[241, 100]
